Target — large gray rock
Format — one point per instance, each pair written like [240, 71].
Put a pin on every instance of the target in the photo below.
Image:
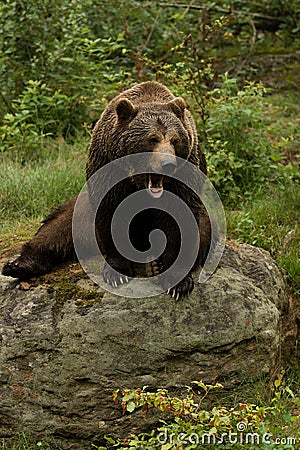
[63, 352]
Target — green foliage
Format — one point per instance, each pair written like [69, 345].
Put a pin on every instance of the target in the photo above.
[199, 421]
[239, 155]
[53, 42]
[52, 69]
[243, 425]
[37, 114]
[76, 54]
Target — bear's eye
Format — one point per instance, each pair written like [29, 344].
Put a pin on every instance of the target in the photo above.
[175, 142]
[153, 140]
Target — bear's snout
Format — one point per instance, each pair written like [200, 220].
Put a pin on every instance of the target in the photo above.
[169, 165]
[163, 163]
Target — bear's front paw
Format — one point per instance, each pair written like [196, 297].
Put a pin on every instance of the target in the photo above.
[13, 269]
[181, 289]
[113, 275]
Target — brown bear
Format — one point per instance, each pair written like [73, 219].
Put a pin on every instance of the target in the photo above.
[148, 119]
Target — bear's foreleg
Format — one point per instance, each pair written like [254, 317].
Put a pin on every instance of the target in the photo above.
[51, 246]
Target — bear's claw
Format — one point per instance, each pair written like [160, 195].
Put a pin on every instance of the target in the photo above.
[182, 289]
[115, 280]
[113, 277]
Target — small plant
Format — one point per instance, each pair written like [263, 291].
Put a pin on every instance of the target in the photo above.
[244, 425]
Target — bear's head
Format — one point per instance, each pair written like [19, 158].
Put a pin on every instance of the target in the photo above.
[158, 129]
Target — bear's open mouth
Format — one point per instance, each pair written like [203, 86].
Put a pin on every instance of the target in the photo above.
[155, 185]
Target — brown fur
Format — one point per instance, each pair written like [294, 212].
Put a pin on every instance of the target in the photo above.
[146, 118]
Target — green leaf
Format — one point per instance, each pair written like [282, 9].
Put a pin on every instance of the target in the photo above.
[289, 391]
[277, 383]
[130, 407]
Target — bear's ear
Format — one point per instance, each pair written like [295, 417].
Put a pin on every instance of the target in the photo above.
[126, 111]
[178, 105]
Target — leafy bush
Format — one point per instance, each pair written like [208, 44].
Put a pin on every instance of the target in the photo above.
[52, 70]
[37, 114]
[239, 156]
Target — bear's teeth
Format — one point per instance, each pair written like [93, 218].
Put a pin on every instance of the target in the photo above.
[155, 191]
[156, 194]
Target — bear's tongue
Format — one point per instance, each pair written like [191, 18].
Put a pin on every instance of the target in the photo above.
[155, 185]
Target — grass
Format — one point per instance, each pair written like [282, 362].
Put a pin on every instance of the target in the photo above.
[25, 442]
[269, 216]
[31, 190]
[282, 122]
[271, 220]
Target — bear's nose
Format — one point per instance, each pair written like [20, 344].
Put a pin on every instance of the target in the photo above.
[169, 166]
